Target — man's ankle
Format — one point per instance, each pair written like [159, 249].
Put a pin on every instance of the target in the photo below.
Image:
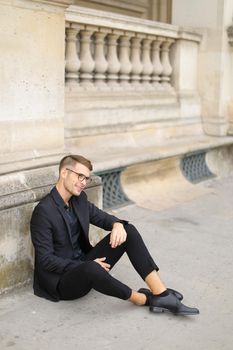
[163, 294]
[138, 298]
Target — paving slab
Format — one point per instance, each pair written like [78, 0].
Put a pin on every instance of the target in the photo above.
[191, 241]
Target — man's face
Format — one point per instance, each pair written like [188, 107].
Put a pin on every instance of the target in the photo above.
[75, 178]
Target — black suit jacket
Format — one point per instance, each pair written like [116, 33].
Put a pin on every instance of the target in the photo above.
[51, 237]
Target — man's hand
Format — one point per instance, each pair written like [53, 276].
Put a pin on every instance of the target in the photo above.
[103, 264]
[118, 235]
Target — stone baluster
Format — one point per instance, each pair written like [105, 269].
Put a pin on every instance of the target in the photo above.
[124, 58]
[146, 62]
[157, 65]
[101, 64]
[87, 62]
[72, 64]
[136, 60]
[112, 58]
[167, 68]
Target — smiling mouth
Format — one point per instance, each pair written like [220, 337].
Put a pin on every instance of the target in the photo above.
[79, 188]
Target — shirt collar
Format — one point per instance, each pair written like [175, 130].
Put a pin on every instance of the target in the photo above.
[58, 198]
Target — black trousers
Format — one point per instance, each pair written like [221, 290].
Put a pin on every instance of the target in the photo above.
[80, 280]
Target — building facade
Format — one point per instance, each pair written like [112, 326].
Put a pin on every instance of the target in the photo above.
[121, 82]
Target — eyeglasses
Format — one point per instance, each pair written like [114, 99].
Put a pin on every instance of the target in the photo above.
[81, 177]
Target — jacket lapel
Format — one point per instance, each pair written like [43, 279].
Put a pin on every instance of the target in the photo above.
[82, 214]
[60, 207]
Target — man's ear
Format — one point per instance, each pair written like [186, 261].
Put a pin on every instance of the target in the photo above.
[63, 173]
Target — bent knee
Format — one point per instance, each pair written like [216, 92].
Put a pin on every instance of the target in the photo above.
[131, 230]
[92, 267]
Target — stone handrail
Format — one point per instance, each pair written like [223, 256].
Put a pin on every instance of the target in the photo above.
[105, 50]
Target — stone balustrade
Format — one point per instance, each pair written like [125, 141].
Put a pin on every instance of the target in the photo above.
[113, 51]
[130, 84]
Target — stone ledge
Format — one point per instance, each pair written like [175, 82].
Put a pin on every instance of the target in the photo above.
[28, 161]
[135, 155]
[39, 4]
[30, 186]
[82, 15]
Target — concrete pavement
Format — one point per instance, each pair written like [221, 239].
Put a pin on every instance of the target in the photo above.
[192, 242]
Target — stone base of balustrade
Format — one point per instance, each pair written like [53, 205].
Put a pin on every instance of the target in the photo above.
[120, 128]
[102, 123]
[89, 111]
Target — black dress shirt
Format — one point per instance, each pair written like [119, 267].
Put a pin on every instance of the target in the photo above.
[75, 229]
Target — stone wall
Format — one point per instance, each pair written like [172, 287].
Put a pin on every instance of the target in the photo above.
[31, 125]
[31, 85]
[31, 122]
[19, 193]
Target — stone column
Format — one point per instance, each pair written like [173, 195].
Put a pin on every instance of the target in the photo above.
[184, 57]
[112, 58]
[136, 60]
[101, 64]
[215, 83]
[146, 62]
[156, 61]
[124, 58]
[87, 62]
[32, 86]
[72, 60]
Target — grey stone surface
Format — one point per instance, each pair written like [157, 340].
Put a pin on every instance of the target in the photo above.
[191, 241]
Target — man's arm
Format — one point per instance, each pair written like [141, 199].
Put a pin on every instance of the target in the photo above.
[102, 219]
[109, 223]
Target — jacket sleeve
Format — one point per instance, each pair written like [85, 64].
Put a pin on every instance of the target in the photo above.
[102, 219]
[42, 239]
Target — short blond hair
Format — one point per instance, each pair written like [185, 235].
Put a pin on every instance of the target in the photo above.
[72, 159]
